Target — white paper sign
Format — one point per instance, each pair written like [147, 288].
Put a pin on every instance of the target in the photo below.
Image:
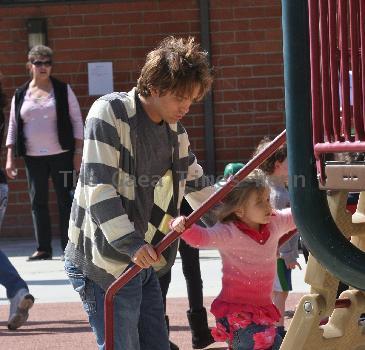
[100, 76]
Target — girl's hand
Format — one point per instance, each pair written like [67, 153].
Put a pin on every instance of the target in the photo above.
[178, 224]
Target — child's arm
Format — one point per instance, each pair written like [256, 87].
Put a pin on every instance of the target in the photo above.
[283, 221]
[289, 252]
[199, 237]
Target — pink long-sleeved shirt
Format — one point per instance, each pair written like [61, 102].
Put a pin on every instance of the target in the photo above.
[248, 267]
[40, 123]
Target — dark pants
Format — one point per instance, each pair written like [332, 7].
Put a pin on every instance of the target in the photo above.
[191, 270]
[38, 170]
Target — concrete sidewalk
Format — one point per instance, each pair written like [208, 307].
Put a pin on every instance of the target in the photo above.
[49, 284]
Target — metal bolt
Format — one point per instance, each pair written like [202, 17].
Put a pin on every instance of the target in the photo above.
[308, 307]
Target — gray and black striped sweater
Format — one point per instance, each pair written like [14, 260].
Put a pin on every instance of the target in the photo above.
[102, 238]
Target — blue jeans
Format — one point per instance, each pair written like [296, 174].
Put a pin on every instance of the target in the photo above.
[9, 276]
[139, 322]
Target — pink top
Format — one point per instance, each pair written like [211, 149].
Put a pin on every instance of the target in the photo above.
[248, 267]
[40, 123]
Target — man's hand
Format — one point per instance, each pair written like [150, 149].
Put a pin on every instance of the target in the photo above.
[178, 224]
[145, 256]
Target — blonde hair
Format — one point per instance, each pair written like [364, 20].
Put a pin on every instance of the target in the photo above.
[237, 198]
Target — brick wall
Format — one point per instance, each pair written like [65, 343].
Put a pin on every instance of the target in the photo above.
[246, 53]
[248, 91]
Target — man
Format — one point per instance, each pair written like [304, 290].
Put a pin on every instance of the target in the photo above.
[137, 166]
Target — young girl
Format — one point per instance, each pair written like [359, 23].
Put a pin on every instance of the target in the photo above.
[276, 169]
[246, 235]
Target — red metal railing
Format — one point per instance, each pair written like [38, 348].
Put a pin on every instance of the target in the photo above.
[172, 236]
[337, 56]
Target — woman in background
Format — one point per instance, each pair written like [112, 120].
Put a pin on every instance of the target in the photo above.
[46, 129]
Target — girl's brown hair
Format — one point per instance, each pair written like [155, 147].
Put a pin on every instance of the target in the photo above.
[177, 66]
[255, 181]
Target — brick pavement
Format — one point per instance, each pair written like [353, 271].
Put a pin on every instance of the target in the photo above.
[64, 326]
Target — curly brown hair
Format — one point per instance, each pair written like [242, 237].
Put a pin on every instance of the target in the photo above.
[268, 166]
[177, 65]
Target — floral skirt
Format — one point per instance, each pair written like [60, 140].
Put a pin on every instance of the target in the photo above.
[246, 327]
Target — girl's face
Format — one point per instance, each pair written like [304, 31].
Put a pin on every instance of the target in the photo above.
[257, 209]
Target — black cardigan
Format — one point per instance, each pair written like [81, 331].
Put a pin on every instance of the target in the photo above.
[64, 125]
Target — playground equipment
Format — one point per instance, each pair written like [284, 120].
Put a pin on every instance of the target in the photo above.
[324, 60]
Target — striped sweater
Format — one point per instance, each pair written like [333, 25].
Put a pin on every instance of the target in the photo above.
[102, 237]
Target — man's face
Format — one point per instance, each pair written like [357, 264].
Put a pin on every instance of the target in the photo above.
[171, 107]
